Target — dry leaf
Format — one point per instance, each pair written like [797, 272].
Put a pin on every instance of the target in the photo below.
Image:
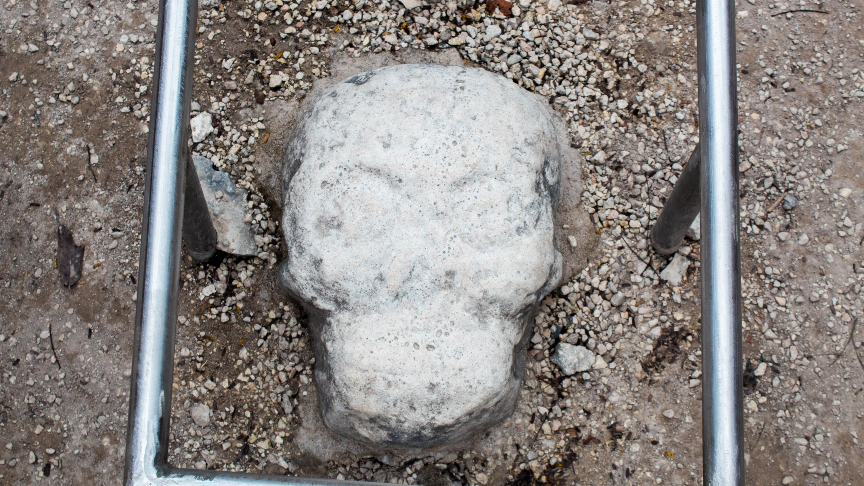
[505, 7]
[70, 257]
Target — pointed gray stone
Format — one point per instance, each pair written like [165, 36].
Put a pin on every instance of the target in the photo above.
[227, 205]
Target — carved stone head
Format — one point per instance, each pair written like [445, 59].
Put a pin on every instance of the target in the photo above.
[419, 218]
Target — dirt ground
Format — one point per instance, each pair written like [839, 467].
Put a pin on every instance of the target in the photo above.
[75, 81]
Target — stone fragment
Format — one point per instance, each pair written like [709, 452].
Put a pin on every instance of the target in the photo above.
[420, 233]
[202, 126]
[276, 80]
[200, 414]
[287, 406]
[669, 413]
[411, 4]
[492, 32]
[676, 270]
[789, 202]
[695, 230]
[227, 205]
[572, 359]
[761, 369]
[600, 363]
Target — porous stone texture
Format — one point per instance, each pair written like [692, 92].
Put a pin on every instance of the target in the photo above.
[419, 216]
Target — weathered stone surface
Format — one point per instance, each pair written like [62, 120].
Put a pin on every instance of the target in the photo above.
[419, 216]
[573, 359]
[227, 205]
[676, 270]
[202, 126]
[200, 414]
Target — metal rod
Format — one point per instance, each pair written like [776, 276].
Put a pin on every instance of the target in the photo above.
[680, 209]
[152, 372]
[198, 231]
[195, 477]
[168, 172]
[153, 353]
[722, 393]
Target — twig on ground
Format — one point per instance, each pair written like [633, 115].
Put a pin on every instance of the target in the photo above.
[776, 203]
[631, 249]
[666, 146]
[89, 165]
[801, 10]
[851, 335]
[53, 350]
[760, 436]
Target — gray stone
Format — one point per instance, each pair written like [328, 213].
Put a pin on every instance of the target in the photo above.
[492, 32]
[676, 270]
[411, 4]
[200, 414]
[573, 359]
[761, 369]
[789, 202]
[419, 218]
[617, 299]
[227, 205]
[590, 34]
[695, 230]
[287, 406]
[202, 126]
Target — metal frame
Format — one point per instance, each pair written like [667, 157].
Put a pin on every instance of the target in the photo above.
[173, 194]
[714, 164]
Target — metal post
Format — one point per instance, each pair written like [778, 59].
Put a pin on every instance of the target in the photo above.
[168, 171]
[153, 366]
[680, 209]
[152, 371]
[198, 231]
[722, 393]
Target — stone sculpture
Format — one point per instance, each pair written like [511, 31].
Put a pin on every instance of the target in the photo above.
[419, 218]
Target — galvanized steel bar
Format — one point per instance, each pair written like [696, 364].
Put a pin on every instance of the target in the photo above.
[150, 399]
[153, 354]
[198, 230]
[158, 285]
[680, 209]
[722, 393]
